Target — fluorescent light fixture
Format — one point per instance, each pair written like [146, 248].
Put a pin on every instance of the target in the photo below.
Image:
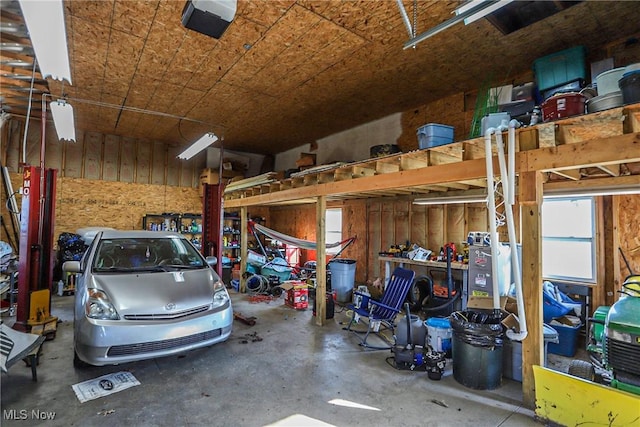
[45, 22]
[443, 200]
[474, 9]
[63, 120]
[490, 8]
[206, 140]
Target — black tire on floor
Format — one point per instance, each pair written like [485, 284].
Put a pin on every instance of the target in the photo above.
[582, 369]
[420, 290]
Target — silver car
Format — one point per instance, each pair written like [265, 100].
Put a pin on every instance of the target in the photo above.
[145, 294]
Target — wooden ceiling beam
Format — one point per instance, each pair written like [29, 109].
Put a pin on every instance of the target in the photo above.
[602, 151]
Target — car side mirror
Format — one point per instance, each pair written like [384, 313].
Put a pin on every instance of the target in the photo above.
[71, 267]
[212, 261]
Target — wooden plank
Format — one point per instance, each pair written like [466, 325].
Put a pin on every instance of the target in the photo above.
[92, 155]
[613, 170]
[173, 166]
[572, 174]
[158, 165]
[143, 162]
[73, 157]
[321, 260]
[127, 159]
[375, 233]
[602, 151]
[533, 346]
[111, 158]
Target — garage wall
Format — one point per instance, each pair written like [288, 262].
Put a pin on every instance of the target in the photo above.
[378, 224]
[98, 203]
[96, 156]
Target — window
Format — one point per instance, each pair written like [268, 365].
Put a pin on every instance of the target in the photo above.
[333, 228]
[568, 239]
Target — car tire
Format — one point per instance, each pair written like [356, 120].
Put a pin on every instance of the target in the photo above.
[582, 369]
[77, 363]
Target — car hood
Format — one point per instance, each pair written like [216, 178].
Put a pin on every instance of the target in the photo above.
[157, 293]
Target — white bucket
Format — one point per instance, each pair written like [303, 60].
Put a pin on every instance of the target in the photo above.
[439, 334]
[607, 82]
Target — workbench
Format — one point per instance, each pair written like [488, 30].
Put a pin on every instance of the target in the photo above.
[457, 269]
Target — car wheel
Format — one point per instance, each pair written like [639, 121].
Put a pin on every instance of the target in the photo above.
[582, 369]
[77, 363]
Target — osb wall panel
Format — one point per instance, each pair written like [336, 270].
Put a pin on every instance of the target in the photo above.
[74, 153]
[111, 158]
[143, 162]
[127, 159]
[354, 224]
[456, 224]
[97, 156]
[419, 225]
[628, 208]
[91, 203]
[93, 155]
[159, 166]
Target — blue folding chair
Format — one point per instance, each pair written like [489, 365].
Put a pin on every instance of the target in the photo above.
[381, 314]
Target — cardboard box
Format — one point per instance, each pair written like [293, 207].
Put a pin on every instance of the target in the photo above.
[208, 176]
[486, 303]
[296, 294]
[511, 322]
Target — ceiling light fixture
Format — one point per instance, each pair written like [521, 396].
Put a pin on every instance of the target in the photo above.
[205, 141]
[63, 120]
[444, 200]
[482, 13]
[472, 10]
[45, 22]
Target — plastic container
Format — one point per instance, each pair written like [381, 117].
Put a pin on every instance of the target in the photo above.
[418, 331]
[630, 87]
[604, 102]
[493, 120]
[512, 354]
[433, 135]
[567, 339]
[563, 105]
[277, 267]
[560, 67]
[439, 334]
[607, 82]
[343, 276]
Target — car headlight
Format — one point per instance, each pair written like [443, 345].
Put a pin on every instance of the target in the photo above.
[220, 295]
[98, 306]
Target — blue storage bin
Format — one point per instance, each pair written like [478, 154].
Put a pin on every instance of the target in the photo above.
[433, 135]
[560, 67]
[567, 339]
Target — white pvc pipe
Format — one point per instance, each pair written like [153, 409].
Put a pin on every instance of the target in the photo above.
[491, 205]
[513, 124]
[515, 258]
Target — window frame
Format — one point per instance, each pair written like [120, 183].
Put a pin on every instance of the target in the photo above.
[329, 232]
[592, 240]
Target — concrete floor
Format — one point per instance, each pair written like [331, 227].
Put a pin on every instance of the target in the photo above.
[289, 377]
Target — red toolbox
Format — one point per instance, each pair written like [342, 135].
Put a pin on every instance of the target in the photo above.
[563, 105]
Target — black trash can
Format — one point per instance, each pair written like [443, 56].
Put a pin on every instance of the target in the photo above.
[477, 349]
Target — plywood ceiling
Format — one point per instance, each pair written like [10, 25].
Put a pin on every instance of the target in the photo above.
[285, 73]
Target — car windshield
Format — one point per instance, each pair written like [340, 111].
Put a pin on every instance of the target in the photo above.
[146, 254]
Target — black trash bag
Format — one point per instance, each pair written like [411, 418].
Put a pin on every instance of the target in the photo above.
[478, 328]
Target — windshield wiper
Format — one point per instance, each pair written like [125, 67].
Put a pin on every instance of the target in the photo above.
[112, 269]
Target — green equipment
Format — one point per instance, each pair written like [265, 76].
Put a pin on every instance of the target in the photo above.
[614, 342]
